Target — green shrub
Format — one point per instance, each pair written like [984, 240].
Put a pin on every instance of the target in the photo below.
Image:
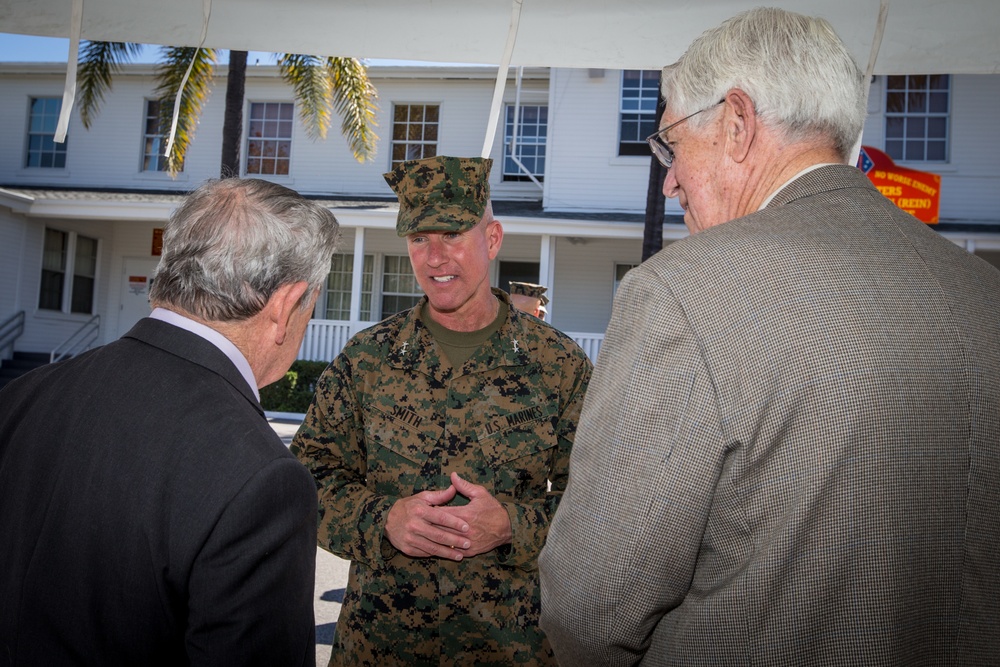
[294, 392]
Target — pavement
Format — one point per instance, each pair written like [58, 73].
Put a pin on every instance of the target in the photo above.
[331, 571]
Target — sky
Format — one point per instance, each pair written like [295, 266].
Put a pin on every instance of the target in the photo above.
[26, 48]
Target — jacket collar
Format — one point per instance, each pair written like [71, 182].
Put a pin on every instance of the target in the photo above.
[195, 349]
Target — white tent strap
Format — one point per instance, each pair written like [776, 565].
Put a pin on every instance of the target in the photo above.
[69, 89]
[883, 15]
[207, 7]
[491, 128]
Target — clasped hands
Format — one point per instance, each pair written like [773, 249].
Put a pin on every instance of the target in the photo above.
[422, 526]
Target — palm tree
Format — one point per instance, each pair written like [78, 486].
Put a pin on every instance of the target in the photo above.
[322, 86]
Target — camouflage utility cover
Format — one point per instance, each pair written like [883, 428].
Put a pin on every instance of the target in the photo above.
[392, 417]
[440, 194]
[530, 289]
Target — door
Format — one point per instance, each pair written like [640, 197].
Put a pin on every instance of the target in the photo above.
[137, 277]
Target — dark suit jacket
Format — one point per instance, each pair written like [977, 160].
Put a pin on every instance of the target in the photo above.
[789, 453]
[150, 515]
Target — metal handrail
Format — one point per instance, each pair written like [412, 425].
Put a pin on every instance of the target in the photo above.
[10, 330]
[79, 341]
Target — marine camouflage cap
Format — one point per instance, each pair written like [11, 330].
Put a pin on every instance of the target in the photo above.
[440, 194]
[530, 289]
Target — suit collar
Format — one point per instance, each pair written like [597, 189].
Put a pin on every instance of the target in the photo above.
[824, 179]
[193, 348]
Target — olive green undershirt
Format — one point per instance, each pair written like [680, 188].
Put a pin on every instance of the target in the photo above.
[458, 346]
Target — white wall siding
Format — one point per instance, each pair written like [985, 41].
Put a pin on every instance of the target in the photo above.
[585, 171]
[970, 183]
[13, 236]
[584, 278]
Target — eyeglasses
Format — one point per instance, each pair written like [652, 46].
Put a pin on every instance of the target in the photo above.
[659, 147]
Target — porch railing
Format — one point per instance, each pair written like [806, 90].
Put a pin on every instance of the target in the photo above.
[79, 341]
[590, 342]
[325, 339]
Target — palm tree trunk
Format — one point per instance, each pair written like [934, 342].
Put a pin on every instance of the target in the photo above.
[652, 234]
[232, 128]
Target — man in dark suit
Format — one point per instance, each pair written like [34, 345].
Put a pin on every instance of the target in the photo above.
[789, 453]
[149, 514]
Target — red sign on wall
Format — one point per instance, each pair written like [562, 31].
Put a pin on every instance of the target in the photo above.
[916, 192]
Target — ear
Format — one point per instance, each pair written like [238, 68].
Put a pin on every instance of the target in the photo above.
[741, 124]
[494, 237]
[282, 305]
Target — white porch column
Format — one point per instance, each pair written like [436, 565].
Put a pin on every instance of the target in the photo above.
[547, 269]
[357, 273]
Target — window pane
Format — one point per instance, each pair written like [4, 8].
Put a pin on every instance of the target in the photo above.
[637, 110]
[937, 128]
[530, 145]
[916, 103]
[270, 138]
[917, 111]
[938, 102]
[85, 262]
[916, 128]
[414, 132]
[42, 149]
[936, 151]
[53, 270]
[339, 283]
[82, 298]
[153, 141]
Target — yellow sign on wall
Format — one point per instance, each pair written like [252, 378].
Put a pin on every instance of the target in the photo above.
[916, 192]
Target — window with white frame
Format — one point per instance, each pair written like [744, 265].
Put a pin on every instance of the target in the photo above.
[399, 286]
[640, 92]
[269, 138]
[529, 149]
[339, 285]
[620, 271]
[153, 141]
[414, 132]
[69, 272]
[916, 117]
[43, 152]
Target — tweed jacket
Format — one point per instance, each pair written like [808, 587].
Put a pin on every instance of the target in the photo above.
[790, 450]
[150, 515]
[392, 417]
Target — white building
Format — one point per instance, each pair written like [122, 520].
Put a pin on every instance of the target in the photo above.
[79, 221]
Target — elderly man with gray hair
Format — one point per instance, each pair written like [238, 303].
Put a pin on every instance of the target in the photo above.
[788, 453]
[150, 514]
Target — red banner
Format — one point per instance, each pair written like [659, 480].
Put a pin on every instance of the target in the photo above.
[916, 192]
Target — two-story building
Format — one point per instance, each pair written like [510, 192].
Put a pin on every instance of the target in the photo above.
[80, 221]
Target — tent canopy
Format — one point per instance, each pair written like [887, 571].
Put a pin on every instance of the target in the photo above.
[921, 36]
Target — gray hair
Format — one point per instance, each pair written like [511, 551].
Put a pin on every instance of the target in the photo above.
[233, 242]
[801, 77]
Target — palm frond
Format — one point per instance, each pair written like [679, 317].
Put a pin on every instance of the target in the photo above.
[99, 62]
[312, 89]
[170, 74]
[356, 102]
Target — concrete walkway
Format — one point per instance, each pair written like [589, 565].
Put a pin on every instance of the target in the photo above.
[331, 571]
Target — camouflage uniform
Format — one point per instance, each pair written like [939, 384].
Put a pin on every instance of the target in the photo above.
[392, 417]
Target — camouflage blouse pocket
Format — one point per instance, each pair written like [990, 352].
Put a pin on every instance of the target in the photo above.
[398, 447]
[518, 446]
